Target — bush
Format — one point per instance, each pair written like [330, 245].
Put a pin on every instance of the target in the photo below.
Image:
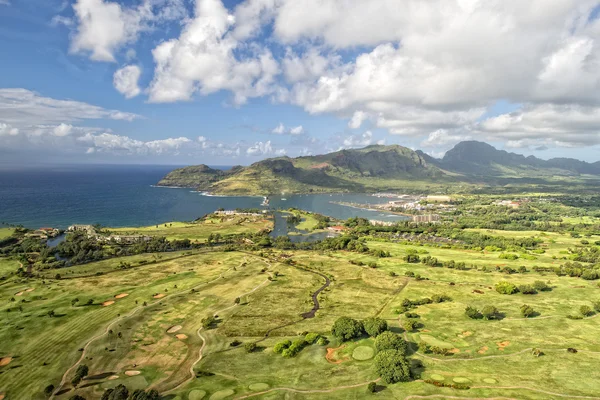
[372, 387]
[375, 326]
[279, 347]
[509, 256]
[541, 286]
[472, 312]
[489, 312]
[527, 289]
[590, 275]
[346, 328]
[527, 311]
[311, 337]
[440, 298]
[322, 341]
[390, 341]
[295, 348]
[506, 288]
[392, 366]
[586, 311]
[250, 347]
[409, 325]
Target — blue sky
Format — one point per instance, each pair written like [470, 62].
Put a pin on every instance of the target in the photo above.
[245, 80]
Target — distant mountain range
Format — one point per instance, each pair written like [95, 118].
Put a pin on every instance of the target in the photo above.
[380, 168]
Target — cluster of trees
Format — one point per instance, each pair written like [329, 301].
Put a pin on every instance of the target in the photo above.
[488, 312]
[120, 392]
[346, 328]
[391, 363]
[504, 287]
[80, 373]
[407, 304]
[289, 349]
[576, 269]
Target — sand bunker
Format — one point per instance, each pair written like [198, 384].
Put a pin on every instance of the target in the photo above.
[30, 290]
[120, 296]
[467, 333]
[132, 373]
[113, 377]
[174, 329]
[483, 350]
[159, 296]
[5, 361]
[502, 345]
[1, 396]
[108, 303]
[454, 351]
[330, 352]
[181, 336]
[19, 294]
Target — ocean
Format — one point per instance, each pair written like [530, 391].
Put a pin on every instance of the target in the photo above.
[117, 196]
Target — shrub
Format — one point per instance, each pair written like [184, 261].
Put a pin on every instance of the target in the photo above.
[295, 348]
[472, 312]
[48, 390]
[409, 324]
[527, 311]
[440, 298]
[586, 311]
[527, 289]
[541, 286]
[375, 326]
[346, 328]
[506, 288]
[537, 352]
[390, 341]
[311, 337]
[489, 312]
[279, 347]
[392, 366]
[322, 341]
[250, 347]
[509, 256]
[372, 387]
[590, 275]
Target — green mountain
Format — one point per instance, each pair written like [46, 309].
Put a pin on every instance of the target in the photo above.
[381, 168]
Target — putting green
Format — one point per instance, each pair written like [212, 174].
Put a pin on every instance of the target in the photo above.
[196, 394]
[363, 353]
[490, 380]
[221, 394]
[437, 377]
[433, 341]
[256, 387]
[461, 380]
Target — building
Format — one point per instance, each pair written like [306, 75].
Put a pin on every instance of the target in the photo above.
[426, 218]
[441, 199]
[337, 229]
[89, 229]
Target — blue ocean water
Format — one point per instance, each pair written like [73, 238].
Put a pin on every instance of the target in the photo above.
[124, 196]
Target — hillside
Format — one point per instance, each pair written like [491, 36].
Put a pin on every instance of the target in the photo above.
[381, 168]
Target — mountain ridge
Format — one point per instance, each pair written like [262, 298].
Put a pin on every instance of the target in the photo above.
[377, 168]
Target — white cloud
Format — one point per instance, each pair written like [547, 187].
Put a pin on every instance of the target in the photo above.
[297, 130]
[279, 129]
[264, 149]
[60, 20]
[360, 140]
[357, 119]
[8, 130]
[104, 27]
[443, 138]
[63, 130]
[22, 107]
[203, 60]
[126, 80]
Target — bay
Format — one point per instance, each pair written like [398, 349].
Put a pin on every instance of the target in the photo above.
[113, 195]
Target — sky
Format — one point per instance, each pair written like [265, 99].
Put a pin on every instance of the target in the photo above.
[226, 82]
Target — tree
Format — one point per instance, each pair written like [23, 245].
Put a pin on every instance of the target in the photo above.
[311, 337]
[372, 387]
[74, 301]
[527, 311]
[279, 347]
[489, 312]
[48, 390]
[346, 328]
[237, 300]
[250, 347]
[139, 394]
[392, 366]
[541, 286]
[209, 322]
[409, 324]
[120, 392]
[390, 341]
[506, 288]
[51, 313]
[375, 326]
[586, 311]
[80, 373]
[472, 312]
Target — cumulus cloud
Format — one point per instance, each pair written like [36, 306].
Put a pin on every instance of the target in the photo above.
[8, 130]
[443, 138]
[264, 149]
[104, 27]
[361, 140]
[126, 79]
[281, 129]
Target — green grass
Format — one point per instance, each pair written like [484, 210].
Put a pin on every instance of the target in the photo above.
[43, 348]
[6, 232]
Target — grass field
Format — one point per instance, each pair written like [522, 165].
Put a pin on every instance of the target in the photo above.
[200, 231]
[6, 232]
[144, 326]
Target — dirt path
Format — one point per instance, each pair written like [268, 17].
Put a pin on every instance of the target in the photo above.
[119, 319]
[302, 391]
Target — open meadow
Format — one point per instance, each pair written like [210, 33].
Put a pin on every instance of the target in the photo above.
[206, 323]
